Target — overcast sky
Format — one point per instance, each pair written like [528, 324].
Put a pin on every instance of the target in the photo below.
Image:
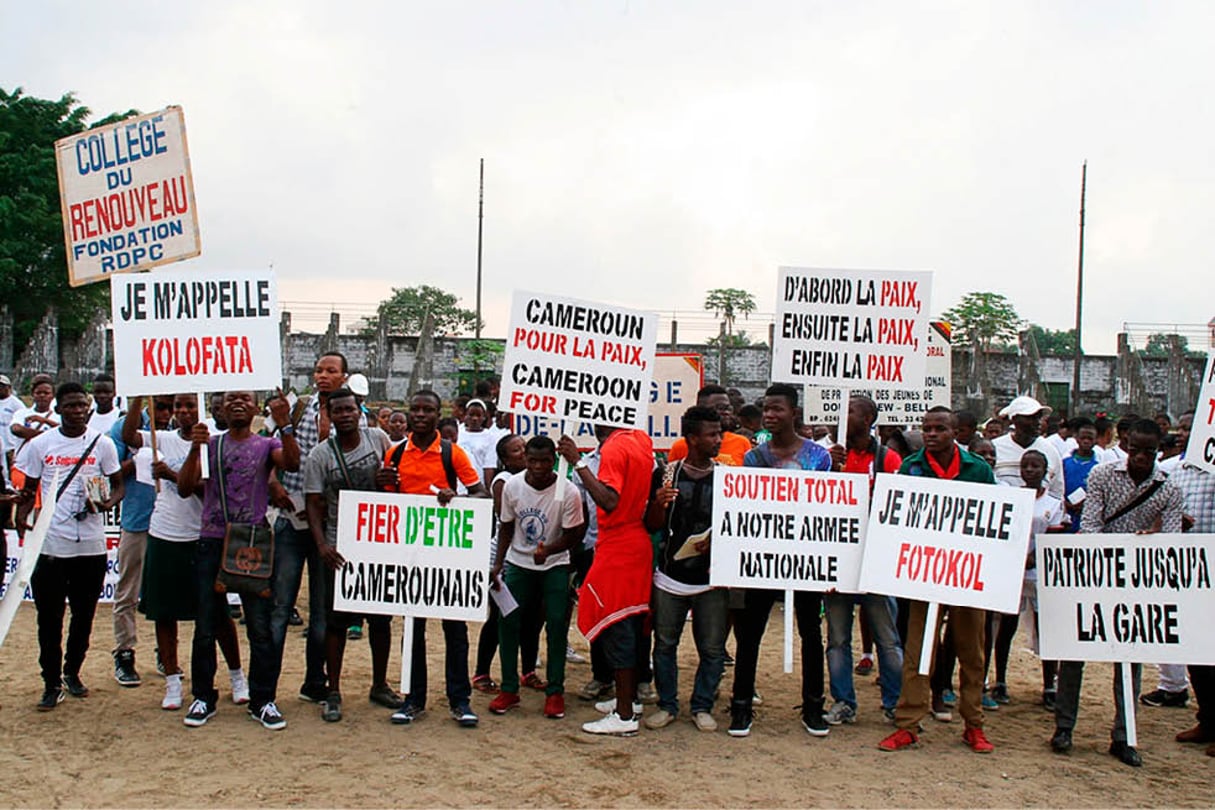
[641, 153]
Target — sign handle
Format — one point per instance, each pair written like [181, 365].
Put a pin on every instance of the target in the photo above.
[204, 454]
[563, 464]
[406, 653]
[1128, 704]
[930, 637]
[788, 631]
[841, 432]
[31, 548]
[152, 433]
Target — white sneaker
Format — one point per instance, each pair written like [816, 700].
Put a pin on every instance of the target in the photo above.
[704, 721]
[612, 724]
[646, 693]
[609, 706]
[572, 656]
[240, 686]
[172, 701]
[840, 712]
[757, 699]
[659, 719]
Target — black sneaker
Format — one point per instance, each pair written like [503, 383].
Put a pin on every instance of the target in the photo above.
[331, 709]
[384, 695]
[1126, 754]
[52, 696]
[199, 713]
[407, 714]
[160, 665]
[1061, 743]
[314, 693]
[740, 718]
[815, 724]
[999, 693]
[269, 716]
[294, 619]
[1158, 698]
[463, 714]
[1048, 699]
[124, 668]
[75, 687]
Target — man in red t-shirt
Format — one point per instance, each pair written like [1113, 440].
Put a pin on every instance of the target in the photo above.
[864, 455]
[615, 596]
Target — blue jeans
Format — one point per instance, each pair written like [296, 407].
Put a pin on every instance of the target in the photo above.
[293, 548]
[881, 613]
[265, 658]
[709, 627]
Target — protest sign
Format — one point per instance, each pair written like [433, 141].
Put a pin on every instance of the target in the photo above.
[578, 361]
[113, 533]
[677, 378]
[1126, 597]
[788, 529]
[408, 556]
[851, 328]
[185, 331]
[950, 542]
[1201, 449]
[127, 196]
[896, 406]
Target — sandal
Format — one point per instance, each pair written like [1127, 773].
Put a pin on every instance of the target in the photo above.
[484, 683]
[533, 681]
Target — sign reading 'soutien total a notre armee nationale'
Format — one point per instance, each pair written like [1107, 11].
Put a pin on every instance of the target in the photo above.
[127, 196]
[578, 361]
[188, 331]
[1126, 597]
[408, 556]
[788, 529]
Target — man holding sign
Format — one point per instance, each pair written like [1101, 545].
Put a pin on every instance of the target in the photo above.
[1124, 497]
[942, 458]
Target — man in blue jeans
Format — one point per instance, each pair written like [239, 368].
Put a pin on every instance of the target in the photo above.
[681, 507]
[294, 548]
[865, 455]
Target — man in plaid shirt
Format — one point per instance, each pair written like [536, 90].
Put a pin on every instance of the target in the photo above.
[1130, 496]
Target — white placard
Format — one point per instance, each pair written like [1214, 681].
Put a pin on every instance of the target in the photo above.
[408, 556]
[127, 196]
[896, 406]
[952, 542]
[187, 331]
[1126, 597]
[788, 529]
[851, 328]
[1201, 449]
[677, 378]
[109, 586]
[578, 361]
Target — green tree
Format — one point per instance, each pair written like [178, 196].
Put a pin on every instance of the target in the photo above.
[985, 320]
[735, 341]
[33, 264]
[1054, 341]
[404, 312]
[480, 354]
[1158, 346]
[728, 303]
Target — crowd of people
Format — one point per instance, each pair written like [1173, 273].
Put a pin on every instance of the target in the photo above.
[622, 543]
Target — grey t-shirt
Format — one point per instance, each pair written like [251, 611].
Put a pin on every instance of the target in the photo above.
[323, 474]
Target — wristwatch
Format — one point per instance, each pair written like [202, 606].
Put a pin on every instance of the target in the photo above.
[580, 464]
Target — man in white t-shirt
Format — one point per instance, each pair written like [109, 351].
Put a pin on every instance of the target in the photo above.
[71, 565]
[1025, 414]
[104, 413]
[539, 522]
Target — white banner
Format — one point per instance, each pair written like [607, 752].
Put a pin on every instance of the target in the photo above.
[578, 361]
[677, 378]
[408, 556]
[1126, 597]
[788, 529]
[851, 328]
[951, 542]
[113, 534]
[186, 331]
[894, 406]
[1201, 449]
[127, 196]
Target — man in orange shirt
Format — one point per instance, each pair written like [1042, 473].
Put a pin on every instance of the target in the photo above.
[424, 464]
[733, 445]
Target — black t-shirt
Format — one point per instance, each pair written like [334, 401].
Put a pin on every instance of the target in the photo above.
[691, 513]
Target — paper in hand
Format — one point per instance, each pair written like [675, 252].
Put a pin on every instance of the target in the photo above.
[688, 549]
[504, 598]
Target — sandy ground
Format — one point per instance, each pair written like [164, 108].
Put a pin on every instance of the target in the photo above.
[118, 748]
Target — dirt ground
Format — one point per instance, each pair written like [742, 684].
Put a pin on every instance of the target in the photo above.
[117, 748]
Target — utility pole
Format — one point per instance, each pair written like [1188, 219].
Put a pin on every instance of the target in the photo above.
[1079, 295]
[480, 221]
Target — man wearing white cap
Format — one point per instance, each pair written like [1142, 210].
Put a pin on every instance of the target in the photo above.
[1025, 414]
[360, 387]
